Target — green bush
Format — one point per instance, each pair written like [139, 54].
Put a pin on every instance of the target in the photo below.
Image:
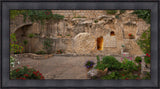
[147, 76]
[122, 11]
[147, 60]
[129, 66]
[145, 41]
[31, 35]
[112, 12]
[113, 75]
[96, 21]
[111, 62]
[25, 73]
[40, 15]
[41, 52]
[144, 14]
[14, 46]
[138, 59]
[48, 45]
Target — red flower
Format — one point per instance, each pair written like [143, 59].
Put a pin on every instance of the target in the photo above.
[37, 72]
[17, 70]
[137, 78]
[130, 34]
[139, 74]
[147, 54]
[34, 72]
[26, 75]
[24, 78]
[122, 74]
[40, 74]
[42, 77]
[126, 78]
[47, 13]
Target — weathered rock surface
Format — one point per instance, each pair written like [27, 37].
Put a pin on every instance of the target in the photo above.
[84, 43]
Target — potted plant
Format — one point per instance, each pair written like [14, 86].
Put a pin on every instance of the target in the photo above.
[89, 65]
[131, 36]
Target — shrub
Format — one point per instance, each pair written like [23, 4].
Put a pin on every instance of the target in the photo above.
[14, 46]
[101, 66]
[111, 12]
[13, 61]
[96, 21]
[31, 35]
[144, 41]
[144, 14]
[60, 51]
[147, 76]
[113, 75]
[40, 15]
[129, 66]
[25, 42]
[122, 11]
[111, 62]
[41, 52]
[48, 45]
[138, 59]
[89, 64]
[147, 59]
[25, 73]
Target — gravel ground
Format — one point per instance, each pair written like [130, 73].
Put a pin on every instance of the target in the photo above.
[59, 67]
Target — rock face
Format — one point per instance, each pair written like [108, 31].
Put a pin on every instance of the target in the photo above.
[84, 43]
[80, 35]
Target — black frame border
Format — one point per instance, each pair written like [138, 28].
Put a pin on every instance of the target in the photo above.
[73, 1]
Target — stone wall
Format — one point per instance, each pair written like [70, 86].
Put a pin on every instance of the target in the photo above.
[80, 13]
[79, 35]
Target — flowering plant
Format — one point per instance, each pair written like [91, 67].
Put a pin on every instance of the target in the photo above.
[13, 61]
[89, 64]
[60, 51]
[130, 34]
[147, 58]
[25, 73]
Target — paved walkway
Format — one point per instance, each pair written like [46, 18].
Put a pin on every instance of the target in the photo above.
[60, 67]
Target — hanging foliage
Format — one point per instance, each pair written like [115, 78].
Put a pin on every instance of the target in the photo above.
[41, 15]
[144, 14]
[36, 15]
[14, 13]
[144, 41]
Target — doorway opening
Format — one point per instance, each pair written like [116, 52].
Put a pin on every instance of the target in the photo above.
[100, 43]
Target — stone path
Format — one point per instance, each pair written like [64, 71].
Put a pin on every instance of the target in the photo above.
[60, 67]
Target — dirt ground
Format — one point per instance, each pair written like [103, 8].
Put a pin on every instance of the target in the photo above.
[59, 67]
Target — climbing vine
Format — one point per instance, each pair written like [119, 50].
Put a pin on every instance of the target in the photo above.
[144, 41]
[15, 47]
[41, 15]
[14, 13]
[144, 14]
[48, 45]
[36, 15]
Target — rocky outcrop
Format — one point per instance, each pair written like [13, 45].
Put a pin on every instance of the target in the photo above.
[84, 43]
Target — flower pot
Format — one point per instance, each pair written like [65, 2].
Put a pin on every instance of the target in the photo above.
[88, 69]
[102, 72]
[131, 37]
